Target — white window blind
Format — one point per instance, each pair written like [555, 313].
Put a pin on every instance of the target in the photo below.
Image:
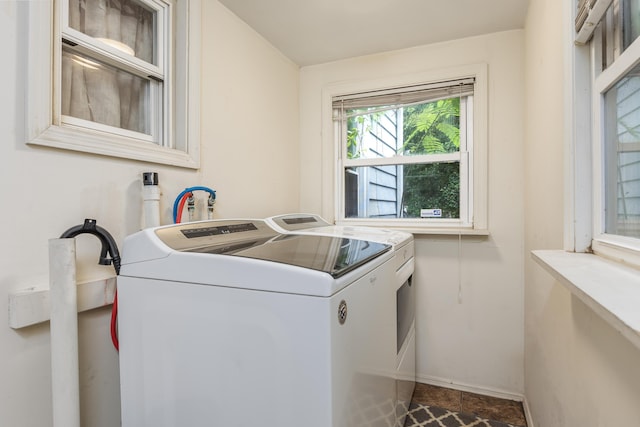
[589, 14]
[400, 97]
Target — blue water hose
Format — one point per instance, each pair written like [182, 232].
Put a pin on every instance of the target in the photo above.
[190, 190]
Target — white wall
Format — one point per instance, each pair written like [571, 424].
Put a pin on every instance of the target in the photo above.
[249, 120]
[578, 370]
[475, 342]
[249, 155]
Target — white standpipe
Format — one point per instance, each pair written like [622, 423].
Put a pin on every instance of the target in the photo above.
[151, 199]
[65, 382]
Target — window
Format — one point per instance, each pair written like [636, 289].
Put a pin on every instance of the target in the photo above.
[621, 156]
[611, 58]
[121, 82]
[406, 154]
[114, 70]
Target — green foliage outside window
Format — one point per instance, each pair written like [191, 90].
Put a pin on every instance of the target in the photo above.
[355, 132]
[434, 185]
[432, 128]
[429, 128]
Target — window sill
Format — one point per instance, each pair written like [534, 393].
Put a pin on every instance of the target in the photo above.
[76, 139]
[610, 289]
[447, 231]
[416, 227]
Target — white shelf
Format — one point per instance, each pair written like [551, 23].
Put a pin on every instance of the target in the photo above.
[610, 289]
[31, 306]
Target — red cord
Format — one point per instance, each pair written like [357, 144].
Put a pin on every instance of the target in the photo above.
[181, 207]
[114, 325]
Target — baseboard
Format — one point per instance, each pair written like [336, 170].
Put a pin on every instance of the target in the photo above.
[527, 413]
[471, 388]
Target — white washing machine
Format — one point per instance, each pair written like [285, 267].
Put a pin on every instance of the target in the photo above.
[403, 259]
[230, 323]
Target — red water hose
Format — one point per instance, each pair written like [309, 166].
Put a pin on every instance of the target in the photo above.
[114, 323]
[181, 206]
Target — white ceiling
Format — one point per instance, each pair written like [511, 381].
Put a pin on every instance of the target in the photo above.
[317, 31]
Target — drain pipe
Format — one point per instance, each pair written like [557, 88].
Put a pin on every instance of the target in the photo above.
[65, 372]
[65, 382]
[151, 199]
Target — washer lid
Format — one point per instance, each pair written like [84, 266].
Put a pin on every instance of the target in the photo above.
[334, 255]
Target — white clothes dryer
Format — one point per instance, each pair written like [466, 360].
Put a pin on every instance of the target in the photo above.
[402, 244]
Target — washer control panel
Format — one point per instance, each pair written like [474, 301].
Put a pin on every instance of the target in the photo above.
[200, 234]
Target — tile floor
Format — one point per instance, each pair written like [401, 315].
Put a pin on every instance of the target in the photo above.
[444, 407]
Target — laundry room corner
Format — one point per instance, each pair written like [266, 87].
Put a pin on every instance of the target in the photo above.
[469, 310]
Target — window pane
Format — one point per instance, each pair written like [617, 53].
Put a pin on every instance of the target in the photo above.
[620, 27]
[100, 93]
[622, 156]
[374, 135]
[127, 25]
[631, 21]
[403, 191]
[432, 128]
[432, 186]
[427, 128]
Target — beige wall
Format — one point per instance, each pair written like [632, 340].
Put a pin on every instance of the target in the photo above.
[249, 119]
[475, 342]
[249, 155]
[578, 370]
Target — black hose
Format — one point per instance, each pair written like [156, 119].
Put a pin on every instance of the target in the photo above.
[109, 246]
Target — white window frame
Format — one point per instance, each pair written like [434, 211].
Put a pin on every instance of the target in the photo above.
[584, 219]
[619, 247]
[46, 126]
[158, 75]
[474, 215]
